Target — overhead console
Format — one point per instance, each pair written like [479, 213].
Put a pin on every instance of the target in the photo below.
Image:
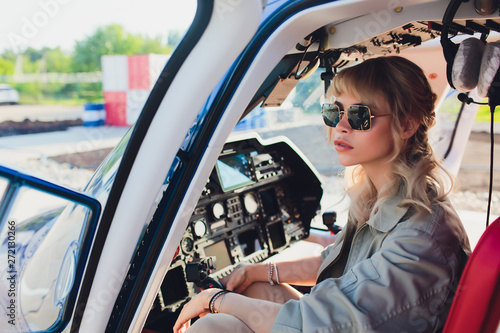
[399, 38]
[259, 199]
[332, 50]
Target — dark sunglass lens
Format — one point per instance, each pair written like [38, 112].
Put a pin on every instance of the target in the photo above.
[359, 117]
[330, 114]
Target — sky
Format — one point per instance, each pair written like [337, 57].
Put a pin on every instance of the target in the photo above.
[59, 23]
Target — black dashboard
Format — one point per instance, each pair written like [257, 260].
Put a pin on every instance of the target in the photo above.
[259, 199]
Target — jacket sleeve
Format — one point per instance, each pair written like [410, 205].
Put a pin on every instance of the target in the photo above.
[405, 286]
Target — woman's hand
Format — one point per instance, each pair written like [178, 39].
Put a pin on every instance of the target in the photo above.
[238, 280]
[196, 307]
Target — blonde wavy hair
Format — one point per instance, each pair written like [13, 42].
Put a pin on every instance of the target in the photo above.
[406, 91]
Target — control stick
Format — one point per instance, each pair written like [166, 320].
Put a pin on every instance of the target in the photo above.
[198, 271]
[329, 219]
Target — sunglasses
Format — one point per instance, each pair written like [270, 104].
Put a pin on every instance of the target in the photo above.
[358, 116]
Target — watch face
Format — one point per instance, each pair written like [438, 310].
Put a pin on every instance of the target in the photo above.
[218, 210]
[200, 228]
[251, 203]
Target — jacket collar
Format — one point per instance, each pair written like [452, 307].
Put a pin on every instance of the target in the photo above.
[389, 214]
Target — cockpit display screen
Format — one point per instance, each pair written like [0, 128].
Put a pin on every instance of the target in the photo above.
[219, 251]
[234, 171]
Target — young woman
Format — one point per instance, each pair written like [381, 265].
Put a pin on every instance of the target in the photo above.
[395, 266]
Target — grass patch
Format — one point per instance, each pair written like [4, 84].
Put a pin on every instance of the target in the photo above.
[483, 114]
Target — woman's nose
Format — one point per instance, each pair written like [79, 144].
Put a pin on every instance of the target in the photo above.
[343, 125]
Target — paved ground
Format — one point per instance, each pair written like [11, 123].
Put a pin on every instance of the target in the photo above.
[74, 140]
[474, 171]
[39, 112]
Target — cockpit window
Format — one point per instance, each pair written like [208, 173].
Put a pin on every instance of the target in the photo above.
[448, 113]
[44, 241]
[299, 119]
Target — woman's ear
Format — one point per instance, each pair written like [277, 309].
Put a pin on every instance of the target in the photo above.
[410, 126]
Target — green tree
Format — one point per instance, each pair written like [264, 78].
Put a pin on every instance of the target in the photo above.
[34, 61]
[30, 66]
[33, 55]
[111, 40]
[9, 55]
[57, 61]
[6, 65]
[153, 45]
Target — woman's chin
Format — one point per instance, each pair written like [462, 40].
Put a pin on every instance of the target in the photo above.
[346, 162]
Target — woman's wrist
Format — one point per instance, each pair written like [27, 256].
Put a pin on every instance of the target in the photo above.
[257, 272]
[209, 294]
[215, 303]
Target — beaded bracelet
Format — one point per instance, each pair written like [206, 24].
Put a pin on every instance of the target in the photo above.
[211, 304]
[269, 268]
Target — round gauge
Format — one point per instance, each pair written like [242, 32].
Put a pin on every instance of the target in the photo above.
[218, 210]
[187, 244]
[200, 228]
[250, 202]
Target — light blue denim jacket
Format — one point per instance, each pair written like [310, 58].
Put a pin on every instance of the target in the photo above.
[399, 275]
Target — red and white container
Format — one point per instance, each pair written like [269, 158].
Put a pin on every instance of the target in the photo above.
[126, 83]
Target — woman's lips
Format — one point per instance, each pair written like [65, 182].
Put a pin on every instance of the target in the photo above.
[342, 146]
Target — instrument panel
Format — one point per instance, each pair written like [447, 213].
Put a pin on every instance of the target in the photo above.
[259, 199]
